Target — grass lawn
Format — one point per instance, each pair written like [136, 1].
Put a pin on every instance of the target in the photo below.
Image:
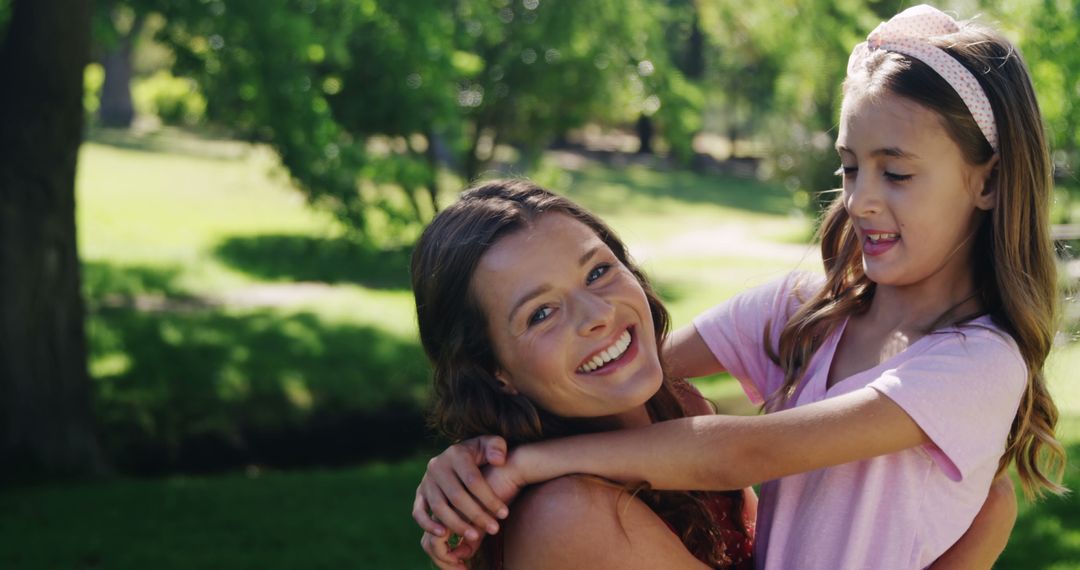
[220, 303]
[350, 518]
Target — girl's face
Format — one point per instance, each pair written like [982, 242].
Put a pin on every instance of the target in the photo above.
[570, 325]
[913, 199]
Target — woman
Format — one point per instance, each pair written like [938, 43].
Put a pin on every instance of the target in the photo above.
[538, 325]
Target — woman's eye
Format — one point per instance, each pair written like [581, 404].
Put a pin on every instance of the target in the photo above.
[539, 315]
[896, 177]
[846, 171]
[597, 272]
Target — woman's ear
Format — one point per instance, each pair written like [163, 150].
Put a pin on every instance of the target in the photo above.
[504, 383]
[986, 199]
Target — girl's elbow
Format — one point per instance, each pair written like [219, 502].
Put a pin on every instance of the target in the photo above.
[736, 467]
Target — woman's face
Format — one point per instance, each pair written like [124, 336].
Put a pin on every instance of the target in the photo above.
[570, 325]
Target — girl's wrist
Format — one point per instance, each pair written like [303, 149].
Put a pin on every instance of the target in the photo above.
[530, 464]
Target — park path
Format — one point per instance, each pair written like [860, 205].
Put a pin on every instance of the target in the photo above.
[733, 240]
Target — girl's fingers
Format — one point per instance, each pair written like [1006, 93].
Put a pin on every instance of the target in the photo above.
[493, 449]
[479, 490]
[448, 517]
[448, 488]
[422, 516]
[466, 549]
[438, 549]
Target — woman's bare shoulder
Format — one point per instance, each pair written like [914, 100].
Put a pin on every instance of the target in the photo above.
[586, 522]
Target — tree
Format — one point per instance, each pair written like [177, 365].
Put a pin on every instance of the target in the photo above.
[428, 81]
[116, 24]
[45, 414]
[1049, 45]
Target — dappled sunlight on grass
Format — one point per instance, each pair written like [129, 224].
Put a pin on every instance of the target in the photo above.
[665, 192]
[175, 206]
[1063, 372]
[689, 285]
[191, 369]
[647, 206]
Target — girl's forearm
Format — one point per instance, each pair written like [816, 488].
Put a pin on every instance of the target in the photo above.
[669, 455]
[729, 452]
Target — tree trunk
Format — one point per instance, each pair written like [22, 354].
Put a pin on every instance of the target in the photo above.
[644, 128]
[472, 160]
[46, 423]
[432, 155]
[116, 109]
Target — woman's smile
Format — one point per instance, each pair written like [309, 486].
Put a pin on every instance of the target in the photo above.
[612, 358]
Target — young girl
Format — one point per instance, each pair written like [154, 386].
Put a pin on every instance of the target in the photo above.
[902, 382]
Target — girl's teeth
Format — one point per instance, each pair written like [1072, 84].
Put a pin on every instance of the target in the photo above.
[874, 238]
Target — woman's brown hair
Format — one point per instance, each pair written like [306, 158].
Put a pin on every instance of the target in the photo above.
[1014, 270]
[467, 399]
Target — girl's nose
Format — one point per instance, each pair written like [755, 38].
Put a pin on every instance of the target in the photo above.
[595, 314]
[862, 196]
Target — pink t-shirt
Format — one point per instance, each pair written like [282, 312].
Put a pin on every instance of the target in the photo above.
[903, 510]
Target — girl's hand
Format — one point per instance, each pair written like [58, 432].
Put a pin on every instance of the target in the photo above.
[504, 481]
[444, 557]
[454, 494]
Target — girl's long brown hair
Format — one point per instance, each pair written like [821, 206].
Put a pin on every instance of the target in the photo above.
[1014, 270]
[467, 399]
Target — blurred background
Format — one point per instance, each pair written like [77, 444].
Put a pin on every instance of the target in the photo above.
[208, 355]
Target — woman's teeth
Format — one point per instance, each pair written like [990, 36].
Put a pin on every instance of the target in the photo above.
[874, 238]
[607, 355]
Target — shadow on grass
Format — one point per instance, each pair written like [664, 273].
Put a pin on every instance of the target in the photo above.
[1048, 532]
[205, 389]
[102, 281]
[684, 186]
[302, 258]
[172, 140]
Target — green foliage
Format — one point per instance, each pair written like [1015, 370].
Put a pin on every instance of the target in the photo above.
[175, 100]
[777, 68]
[93, 78]
[425, 83]
[1049, 44]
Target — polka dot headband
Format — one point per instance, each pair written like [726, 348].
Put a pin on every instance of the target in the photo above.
[907, 33]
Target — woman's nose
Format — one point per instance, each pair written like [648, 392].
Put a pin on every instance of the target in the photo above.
[595, 314]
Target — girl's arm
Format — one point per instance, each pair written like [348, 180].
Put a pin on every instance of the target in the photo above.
[687, 356]
[988, 534]
[699, 453]
[728, 452]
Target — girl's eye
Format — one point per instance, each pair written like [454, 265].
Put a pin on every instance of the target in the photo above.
[846, 171]
[896, 177]
[540, 315]
[597, 272]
